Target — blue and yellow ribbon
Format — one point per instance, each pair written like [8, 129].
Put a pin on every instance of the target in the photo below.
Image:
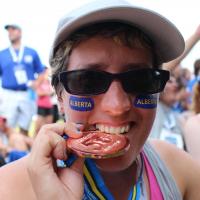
[94, 184]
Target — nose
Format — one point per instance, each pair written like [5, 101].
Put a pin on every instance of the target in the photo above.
[116, 101]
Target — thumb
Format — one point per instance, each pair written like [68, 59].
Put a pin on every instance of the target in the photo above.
[72, 177]
[75, 169]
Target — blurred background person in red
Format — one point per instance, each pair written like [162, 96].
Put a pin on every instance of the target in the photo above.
[44, 92]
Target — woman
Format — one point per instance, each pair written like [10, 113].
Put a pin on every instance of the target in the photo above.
[106, 76]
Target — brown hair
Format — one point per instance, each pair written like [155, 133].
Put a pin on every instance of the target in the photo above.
[196, 67]
[196, 98]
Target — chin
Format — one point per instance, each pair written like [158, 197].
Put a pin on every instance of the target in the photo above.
[116, 164]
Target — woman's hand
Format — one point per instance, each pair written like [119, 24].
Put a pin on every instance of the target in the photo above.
[50, 182]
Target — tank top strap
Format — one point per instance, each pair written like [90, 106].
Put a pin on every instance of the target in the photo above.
[161, 173]
[155, 192]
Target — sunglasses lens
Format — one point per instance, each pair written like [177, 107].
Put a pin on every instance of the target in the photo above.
[91, 82]
[84, 82]
[145, 81]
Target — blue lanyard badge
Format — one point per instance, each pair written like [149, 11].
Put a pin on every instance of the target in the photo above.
[20, 74]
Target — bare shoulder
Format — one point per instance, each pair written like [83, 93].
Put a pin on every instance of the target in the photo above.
[14, 181]
[193, 121]
[185, 170]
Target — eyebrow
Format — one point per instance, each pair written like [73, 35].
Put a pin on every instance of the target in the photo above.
[126, 67]
[130, 66]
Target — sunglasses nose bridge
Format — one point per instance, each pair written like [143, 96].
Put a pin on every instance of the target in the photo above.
[120, 78]
[115, 100]
[117, 77]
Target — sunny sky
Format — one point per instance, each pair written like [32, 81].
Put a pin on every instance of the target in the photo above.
[39, 18]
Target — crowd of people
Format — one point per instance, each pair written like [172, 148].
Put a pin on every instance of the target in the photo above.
[110, 55]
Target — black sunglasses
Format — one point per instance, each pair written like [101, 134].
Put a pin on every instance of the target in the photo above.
[87, 82]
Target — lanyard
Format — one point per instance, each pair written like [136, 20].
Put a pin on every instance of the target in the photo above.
[170, 121]
[95, 189]
[17, 58]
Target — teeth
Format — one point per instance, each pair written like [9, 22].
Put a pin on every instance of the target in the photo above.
[127, 128]
[113, 130]
[122, 130]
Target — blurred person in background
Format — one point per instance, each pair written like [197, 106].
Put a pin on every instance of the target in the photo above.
[13, 145]
[44, 93]
[182, 78]
[167, 124]
[192, 125]
[195, 77]
[19, 66]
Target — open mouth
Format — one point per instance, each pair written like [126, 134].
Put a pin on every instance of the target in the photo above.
[101, 141]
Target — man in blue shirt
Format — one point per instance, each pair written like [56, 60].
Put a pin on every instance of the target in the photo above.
[19, 66]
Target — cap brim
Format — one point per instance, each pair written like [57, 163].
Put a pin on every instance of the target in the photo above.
[167, 39]
[11, 26]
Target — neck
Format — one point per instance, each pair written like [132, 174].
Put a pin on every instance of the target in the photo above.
[126, 178]
[16, 44]
[113, 178]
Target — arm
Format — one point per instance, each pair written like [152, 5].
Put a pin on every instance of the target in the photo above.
[14, 177]
[192, 136]
[189, 44]
[184, 169]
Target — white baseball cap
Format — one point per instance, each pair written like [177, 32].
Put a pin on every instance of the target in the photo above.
[167, 40]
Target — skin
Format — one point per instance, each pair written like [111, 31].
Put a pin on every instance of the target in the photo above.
[37, 172]
[169, 95]
[192, 136]
[14, 35]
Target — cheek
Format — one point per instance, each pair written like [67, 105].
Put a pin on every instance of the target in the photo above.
[146, 101]
[145, 107]
[78, 109]
[148, 120]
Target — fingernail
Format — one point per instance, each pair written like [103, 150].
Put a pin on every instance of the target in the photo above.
[65, 136]
[79, 127]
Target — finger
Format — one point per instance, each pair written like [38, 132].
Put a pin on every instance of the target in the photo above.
[48, 145]
[73, 130]
[77, 167]
[73, 177]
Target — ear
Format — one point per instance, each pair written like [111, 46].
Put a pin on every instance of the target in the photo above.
[61, 104]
